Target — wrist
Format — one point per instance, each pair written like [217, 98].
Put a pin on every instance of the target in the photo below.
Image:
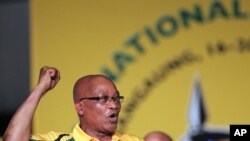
[40, 89]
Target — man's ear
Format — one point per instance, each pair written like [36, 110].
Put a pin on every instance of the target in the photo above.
[79, 108]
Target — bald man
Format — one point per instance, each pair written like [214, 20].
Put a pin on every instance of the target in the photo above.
[157, 136]
[97, 103]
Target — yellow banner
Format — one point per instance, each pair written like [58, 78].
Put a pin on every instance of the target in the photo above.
[152, 49]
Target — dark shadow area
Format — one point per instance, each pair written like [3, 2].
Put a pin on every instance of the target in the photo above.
[210, 137]
[14, 57]
[4, 118]
[12, 1]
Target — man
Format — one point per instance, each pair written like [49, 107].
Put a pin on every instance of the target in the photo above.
[97, 103]
[157, 136]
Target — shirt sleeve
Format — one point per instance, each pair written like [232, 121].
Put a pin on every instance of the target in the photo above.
[51, 136]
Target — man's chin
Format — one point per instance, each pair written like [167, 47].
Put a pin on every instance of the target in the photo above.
[111, 128]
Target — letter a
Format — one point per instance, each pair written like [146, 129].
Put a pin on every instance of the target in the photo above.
[237, 132]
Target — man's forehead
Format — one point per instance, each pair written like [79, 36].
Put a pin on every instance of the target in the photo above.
[104, 89]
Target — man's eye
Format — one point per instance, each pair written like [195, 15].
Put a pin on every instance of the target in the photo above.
[115, 98]
[104, 98]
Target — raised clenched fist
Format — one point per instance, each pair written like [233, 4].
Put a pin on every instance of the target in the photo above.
[48, 78]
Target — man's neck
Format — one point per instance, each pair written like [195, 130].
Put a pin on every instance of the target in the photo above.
[98, 135]
[106, 138]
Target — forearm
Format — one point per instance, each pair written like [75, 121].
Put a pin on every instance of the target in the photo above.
[19, 127]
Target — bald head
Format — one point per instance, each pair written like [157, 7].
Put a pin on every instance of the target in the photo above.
[157, 136]
[86, 85]
[97, 105]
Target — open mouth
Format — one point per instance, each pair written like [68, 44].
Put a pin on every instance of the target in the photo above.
[113, 117]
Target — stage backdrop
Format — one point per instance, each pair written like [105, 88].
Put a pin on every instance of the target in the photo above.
[152, 49]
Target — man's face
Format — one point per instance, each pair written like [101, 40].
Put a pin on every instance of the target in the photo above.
[100, 115]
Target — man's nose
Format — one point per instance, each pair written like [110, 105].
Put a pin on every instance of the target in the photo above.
[113, 104]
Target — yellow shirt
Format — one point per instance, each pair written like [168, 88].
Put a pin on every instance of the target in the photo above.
[79, 135]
